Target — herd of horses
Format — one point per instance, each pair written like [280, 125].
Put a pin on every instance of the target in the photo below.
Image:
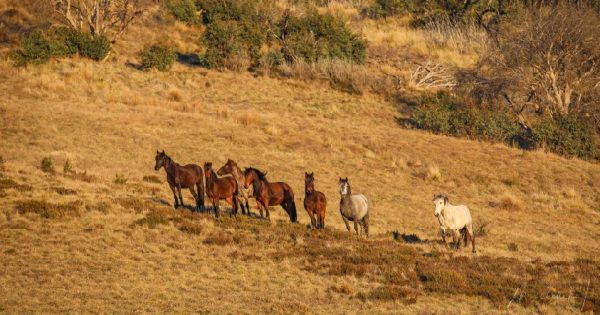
[232, 184]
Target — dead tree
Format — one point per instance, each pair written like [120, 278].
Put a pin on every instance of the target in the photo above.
[108, 18]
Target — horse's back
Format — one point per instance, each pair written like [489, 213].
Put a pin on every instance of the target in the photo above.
[461, 216]
[361, 205]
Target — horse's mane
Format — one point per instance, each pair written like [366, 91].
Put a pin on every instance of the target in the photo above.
[261, 175]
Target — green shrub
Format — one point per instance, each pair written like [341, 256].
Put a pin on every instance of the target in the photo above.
[120, 179]
[94, 47]
[317, 36]
[157, 56]
[568, 135]
[36, 48]
[47, 165]
[443, 115]
[386, 8]
[234, 29]
[183, 10]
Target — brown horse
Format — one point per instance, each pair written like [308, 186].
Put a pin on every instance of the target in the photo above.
[315, 202]
[270, 194]
[220, 188]
[232, 168]
[182, 177]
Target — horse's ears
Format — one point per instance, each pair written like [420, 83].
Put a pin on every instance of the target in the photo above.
[445, 199]
[157, 152]
[346, 179]
[163, 151]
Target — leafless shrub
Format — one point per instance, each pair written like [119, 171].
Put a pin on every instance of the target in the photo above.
[547, 62]
[100, 17]
[432, 75]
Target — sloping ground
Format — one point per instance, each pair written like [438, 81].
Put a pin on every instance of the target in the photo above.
[109, 119]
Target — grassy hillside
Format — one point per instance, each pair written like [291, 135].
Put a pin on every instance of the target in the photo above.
[80, 242]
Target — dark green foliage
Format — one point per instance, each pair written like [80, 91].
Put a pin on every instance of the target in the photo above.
[568, 135]
[47, 165]
[317, 36]
[443, 115]
[96, 48]
[233, 28]
[38, 47]
[183, 10]
[244, 28]
[386, 8]
[158, 56]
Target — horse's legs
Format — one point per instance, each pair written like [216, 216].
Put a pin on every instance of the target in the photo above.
[443, 234]
[356, 228]
[200, 200]
[322, 219]
[247, 205]
[180, 197]
[472, 236]
[365, 224]
[457, 237]
[346, 222]
[215, 202]
[313, 222]
[174, 190]
[193, 191]
[260, 209]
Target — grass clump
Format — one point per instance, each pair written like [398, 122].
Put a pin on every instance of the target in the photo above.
[120, 179]
[183, 10]
[387, 8]
[49, 210]
[151, 179]
[155, 217]
[47, 166]
[221, 238]
[157, 56]
[396, 293]
[68, 167]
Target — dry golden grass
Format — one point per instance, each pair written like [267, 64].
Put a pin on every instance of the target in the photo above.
[76, 242]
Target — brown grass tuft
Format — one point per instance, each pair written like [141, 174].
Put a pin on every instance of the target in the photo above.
[49, 210]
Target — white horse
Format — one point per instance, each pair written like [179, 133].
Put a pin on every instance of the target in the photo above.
[454, 218]
[353, 207]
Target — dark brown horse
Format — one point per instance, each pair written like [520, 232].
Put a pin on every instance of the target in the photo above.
[270, 194]
[315, 202]
[178, 177]
[243, 193]
[220, 188]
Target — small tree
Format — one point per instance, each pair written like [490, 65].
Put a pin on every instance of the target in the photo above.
[548, 62]
[108, 18]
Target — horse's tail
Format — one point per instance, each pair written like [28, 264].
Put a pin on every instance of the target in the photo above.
[288, 195]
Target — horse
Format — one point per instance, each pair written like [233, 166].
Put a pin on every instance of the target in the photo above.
[270, 194]
[353, 207]
[220, 188]
[315, 202]
[454, 218]
[232, 168]
[178, 177]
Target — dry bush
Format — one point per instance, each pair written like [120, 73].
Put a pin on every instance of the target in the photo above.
[152, 179]
[221, 238]
[64, 191]
[546, 61]
[49, 210]
[82, 176]
[343, 75]
[8, 183]
[407, 295]
[509, 202]
[100, 18]
[189, 226]
[100, 206]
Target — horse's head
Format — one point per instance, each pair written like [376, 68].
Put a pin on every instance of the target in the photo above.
[161, 160]
[344, 185]
[249, 177]
[439, 201]
[207, 169]
[309, 181]
[227, 168]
